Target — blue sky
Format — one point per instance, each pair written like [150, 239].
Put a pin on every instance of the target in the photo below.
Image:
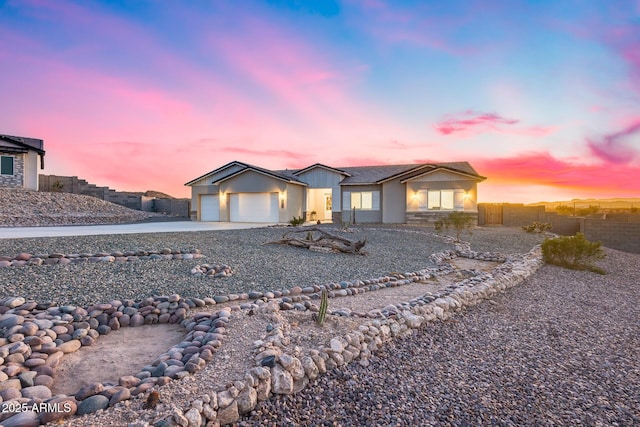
[541, 97]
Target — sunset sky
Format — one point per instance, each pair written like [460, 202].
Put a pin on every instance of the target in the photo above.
[542, 97]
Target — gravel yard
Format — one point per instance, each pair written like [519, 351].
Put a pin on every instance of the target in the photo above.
[562, 348]
[257, 267]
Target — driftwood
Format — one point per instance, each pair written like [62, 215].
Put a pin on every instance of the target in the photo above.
[324, 242]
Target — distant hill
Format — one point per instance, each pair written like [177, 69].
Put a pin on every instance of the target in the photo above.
[603, 204]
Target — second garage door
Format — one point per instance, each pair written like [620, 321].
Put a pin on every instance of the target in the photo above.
[254, 207]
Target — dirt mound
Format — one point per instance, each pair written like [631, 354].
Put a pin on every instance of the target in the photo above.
[26, 208]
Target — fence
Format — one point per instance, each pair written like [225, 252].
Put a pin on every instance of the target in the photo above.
[617, 231]
[137, 201]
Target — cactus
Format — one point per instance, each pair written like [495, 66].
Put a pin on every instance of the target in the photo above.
[324, 303]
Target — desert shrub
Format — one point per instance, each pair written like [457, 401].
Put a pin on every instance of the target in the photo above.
[565, 210]
[574, 252]
[460, 221]
[537, 227]
[591, 210]
[296, 221]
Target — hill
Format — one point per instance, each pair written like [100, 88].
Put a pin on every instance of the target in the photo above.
[614, 204]
[27, 208]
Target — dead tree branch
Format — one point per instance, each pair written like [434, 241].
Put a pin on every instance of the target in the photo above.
[323, 239]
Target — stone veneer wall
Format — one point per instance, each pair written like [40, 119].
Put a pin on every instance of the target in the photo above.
[17, 179]
[429, 217]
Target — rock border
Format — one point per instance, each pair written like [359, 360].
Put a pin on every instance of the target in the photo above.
[24, 258]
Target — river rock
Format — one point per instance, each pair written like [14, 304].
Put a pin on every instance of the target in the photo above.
[93, 404]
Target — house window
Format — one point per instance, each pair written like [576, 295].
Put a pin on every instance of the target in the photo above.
[6, 165]
[363, 200]
[440, 200]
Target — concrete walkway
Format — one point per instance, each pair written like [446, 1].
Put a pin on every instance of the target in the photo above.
[151, 227]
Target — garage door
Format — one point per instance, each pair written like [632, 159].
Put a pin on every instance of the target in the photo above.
[210, 208]
[254, 207]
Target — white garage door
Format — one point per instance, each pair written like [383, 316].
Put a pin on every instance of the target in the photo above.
[210, 208]
[254, 207]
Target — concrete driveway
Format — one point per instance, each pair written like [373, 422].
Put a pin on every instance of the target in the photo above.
[151, 227]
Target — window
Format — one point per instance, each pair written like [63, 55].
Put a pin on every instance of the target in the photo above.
[6, 165]
[440, 199]
[362, 200]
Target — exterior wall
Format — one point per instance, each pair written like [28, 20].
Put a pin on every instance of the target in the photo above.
[624, 236]
[15, 180]
[30, 174]
[393, 202]
[196, 191]
[470, 187]
[74, 185]
[362, 216]
[323, 178]
[294, 198]
[175, 207]
[516, 215]
[252, 182]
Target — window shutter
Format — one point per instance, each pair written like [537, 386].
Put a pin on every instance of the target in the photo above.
[375, 204]
[346, 200]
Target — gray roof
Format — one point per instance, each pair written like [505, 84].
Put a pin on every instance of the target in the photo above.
[355, 174]
[245, 167]
[378, 174]
[29, 143]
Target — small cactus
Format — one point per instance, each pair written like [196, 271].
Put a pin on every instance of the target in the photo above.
[322, 311]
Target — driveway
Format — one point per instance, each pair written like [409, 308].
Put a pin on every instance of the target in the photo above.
[151, 227]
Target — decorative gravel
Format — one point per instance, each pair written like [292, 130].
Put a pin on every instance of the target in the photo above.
[562, 348]
[256, 266]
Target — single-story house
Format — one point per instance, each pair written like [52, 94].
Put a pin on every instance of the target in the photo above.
[240, 192]
[19, 158]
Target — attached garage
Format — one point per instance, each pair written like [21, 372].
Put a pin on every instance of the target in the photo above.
[254, 207]
[209, 207]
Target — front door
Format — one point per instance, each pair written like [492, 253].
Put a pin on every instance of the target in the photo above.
[328, 206]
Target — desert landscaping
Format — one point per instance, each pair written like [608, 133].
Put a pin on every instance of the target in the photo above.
[131, 330]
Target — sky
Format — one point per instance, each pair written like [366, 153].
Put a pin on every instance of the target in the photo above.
[541, 97]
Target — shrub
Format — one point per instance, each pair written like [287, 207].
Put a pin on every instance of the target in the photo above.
[296, 221]
[574, 252]
[537, 227]
[460, 221]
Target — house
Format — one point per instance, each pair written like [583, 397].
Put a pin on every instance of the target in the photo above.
[414, 193]
[19, 161]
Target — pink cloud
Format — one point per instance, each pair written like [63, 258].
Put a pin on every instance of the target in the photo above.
[472, 120]
[545, 170]
[613, 149]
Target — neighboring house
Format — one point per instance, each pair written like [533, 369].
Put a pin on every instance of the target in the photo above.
[240, 192]
[19, 161]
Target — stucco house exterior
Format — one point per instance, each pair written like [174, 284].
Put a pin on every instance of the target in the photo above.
[19, 161]
[412, 193]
